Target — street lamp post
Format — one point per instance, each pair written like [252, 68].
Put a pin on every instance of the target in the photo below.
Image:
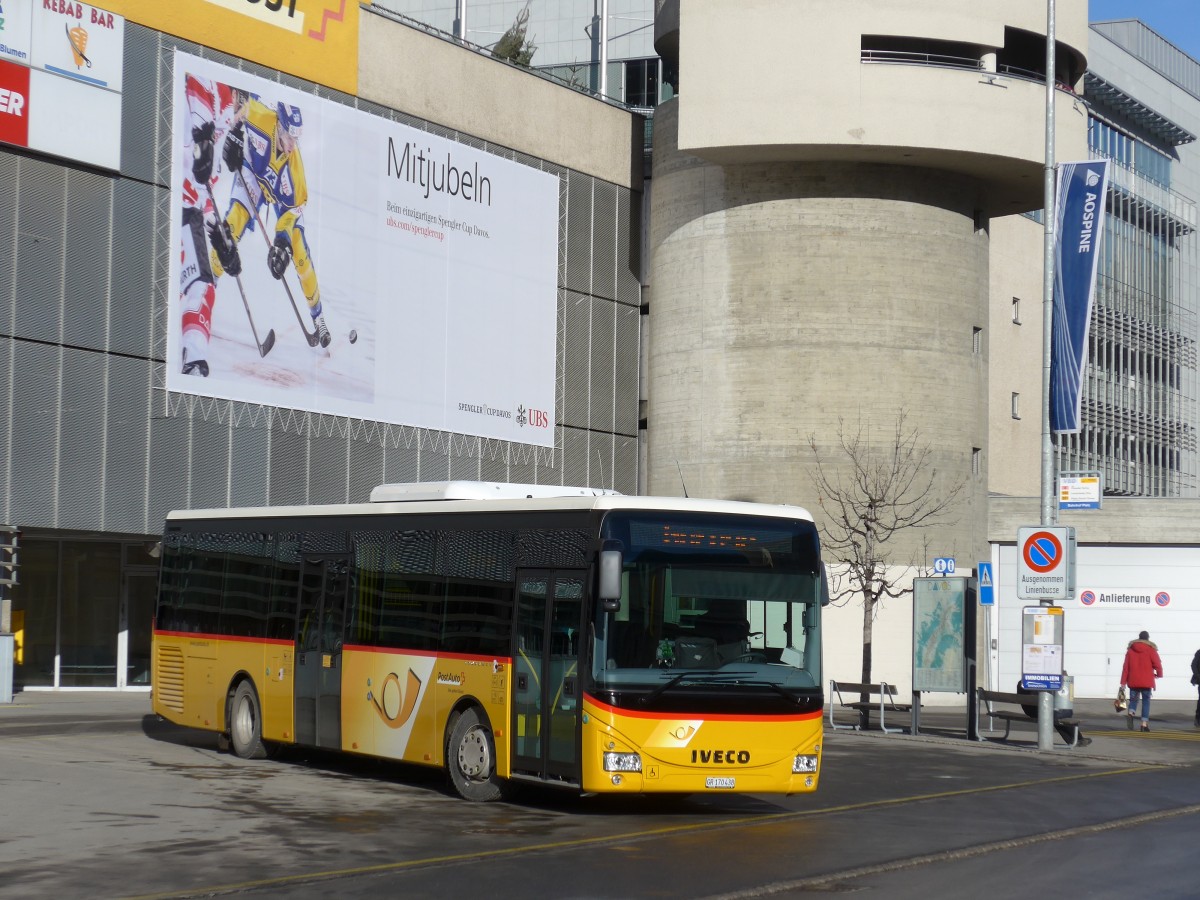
[1045, 728]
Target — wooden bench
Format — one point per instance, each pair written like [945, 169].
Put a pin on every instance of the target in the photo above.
[989, 701]
[850, 694]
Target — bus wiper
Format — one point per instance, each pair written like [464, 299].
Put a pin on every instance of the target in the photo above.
[773, 686]
[667, 685]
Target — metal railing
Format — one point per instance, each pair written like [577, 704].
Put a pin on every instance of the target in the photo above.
[915, 58]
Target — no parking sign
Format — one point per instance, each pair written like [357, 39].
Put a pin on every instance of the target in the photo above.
[1045, 562]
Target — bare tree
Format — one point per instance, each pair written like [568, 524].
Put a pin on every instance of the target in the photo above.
[872, 493]
[513, 45]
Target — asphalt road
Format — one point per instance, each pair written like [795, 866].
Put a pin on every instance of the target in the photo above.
[100, 799]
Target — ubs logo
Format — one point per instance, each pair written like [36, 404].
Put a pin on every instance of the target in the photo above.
[537, 418]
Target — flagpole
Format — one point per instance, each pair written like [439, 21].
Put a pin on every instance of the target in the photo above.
[1049, 491]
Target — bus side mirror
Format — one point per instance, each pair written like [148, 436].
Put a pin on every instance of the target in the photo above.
[824, 585]
[611, 564]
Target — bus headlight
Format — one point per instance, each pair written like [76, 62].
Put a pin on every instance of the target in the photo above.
[804, 764]
[622, 762]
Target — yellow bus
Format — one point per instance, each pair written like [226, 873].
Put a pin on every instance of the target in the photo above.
[507, 633]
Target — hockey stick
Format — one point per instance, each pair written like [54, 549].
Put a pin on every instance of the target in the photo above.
[311, 336]
[264, 347]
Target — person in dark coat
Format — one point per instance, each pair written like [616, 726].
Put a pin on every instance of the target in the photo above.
[1196, 681]
[1142, 666]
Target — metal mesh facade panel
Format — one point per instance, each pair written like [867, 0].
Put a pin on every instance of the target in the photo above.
[88, 231]
[602, 358]
[94, 441]
[133, 272]
[127, 432]
[288, 467]
[363, 468]
[575, 456]
[81, 446]
[41, 210]
[207, 457]
[604, 239]
[576, 343]
[170, 477]
[9, 166]
[578, 230]
[34, 434]
[400, 464]
[249, 472]
[140, 107]
[625, 464]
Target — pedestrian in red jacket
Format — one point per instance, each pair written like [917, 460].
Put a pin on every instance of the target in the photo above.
[1141, 667]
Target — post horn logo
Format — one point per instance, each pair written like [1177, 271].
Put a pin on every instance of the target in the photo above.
[395, 707]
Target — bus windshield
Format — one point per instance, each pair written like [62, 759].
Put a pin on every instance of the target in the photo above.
[711, 599]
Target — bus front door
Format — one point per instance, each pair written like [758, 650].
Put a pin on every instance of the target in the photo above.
[324, 583]
[546, 698]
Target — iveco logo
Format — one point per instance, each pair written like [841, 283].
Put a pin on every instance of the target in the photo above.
[721, 757]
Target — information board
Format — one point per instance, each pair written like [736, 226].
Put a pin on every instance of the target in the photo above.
[939, 634]
[1042, 648]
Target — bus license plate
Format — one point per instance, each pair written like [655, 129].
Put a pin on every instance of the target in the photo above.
[719, 783]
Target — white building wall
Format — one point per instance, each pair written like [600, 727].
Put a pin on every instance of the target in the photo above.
[1130, 589]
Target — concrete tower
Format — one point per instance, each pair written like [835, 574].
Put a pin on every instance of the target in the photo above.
[822, 187]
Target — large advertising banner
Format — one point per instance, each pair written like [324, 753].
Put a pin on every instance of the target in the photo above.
[1082, 189]
[313, 39]
[334, 261]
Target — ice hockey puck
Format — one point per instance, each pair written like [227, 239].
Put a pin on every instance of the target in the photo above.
[353, 335]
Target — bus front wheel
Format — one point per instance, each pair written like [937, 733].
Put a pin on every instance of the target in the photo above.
[245, 723]
[471, 758]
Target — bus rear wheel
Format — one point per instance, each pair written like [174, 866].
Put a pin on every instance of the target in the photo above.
[471, 758]
[245, 723]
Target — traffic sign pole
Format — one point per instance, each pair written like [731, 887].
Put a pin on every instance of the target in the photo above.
[1044, 566]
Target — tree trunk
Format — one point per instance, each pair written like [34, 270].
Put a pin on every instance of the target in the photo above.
[866, 657]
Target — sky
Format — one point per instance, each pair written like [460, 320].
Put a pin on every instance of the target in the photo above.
[1176, 20]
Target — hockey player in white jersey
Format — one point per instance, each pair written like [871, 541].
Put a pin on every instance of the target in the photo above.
[211, 107]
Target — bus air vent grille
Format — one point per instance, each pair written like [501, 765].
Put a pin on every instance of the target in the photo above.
[168, 683]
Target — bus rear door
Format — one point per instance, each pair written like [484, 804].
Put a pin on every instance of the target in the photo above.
[546, 697]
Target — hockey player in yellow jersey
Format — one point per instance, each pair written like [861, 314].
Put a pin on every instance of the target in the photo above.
[263, 151]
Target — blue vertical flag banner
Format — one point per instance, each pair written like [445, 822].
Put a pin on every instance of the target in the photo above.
[1078, 227]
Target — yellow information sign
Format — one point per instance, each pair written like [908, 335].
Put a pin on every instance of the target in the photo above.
[312, 39]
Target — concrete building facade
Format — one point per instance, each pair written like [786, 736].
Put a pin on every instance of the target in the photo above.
[820, 255]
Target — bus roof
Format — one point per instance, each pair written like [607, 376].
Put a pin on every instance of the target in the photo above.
[478, 490]
[480, 497]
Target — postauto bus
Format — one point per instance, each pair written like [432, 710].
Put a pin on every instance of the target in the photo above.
[506, 633]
